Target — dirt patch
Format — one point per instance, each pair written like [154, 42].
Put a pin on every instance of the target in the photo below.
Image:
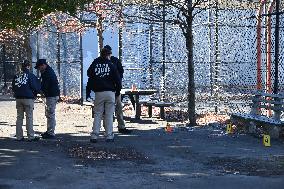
[248, 166]
[205, 119]
[89, 154]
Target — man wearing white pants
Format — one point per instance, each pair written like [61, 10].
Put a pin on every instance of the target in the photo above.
[51, 91]
[104, 104]
[118, 104]
[107, 85]
[50, 108]
[119, 115]
[25, 106]
[25, 88]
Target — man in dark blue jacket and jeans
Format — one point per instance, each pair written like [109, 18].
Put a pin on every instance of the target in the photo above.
[51, 91]
[25, 87]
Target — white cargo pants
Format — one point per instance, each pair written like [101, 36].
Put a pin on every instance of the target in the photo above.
[24, 106]
[104, 103]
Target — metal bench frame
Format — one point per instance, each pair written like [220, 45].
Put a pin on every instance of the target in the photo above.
[161, 105]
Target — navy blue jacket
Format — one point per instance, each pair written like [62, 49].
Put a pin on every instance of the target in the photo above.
[25, 85]
[49, 83]
[117, 63]
[104, 76]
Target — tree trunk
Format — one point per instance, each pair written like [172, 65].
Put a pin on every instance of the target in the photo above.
[4, 66]
[64, 64]
[25, 51]
[120, 43]
[100, 32]
[120, 31]
[58, 54]
[27, 54]
[190, 63]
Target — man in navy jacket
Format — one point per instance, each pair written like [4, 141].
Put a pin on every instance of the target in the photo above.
[25, 87]
[51, 91]
[118, 104]
[106, 85]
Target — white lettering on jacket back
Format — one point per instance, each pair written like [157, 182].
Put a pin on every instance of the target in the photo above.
[21, 79]
[102, 70]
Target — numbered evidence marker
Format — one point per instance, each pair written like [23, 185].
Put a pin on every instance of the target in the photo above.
[266, 140]
[229, 128]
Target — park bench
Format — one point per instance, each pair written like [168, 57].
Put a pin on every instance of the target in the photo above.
[148, 104]
[161, 105]
[260, 100]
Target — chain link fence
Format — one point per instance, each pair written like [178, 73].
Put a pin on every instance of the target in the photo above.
[225, 55]
[155, 54]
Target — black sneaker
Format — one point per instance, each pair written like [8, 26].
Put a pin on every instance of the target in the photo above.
[20, 140]
[109, 140]
[124, 131]
[93, 140]
[47, 136]
[34, 139]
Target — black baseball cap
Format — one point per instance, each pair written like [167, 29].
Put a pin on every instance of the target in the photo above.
[25, 64]
[108, 47]
[40, 62]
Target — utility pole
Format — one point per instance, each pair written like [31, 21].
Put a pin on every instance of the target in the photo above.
[210, 51]
[276, 79]
[151, 48]
[120, 31]
[37, 50]
[58, 53]
[82, 68]
[81, 62]
[216, 68]
[4, 65]
[164, 51]
[64, 63]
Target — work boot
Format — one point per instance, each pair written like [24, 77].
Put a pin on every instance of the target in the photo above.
[20, 140]
[47, 136]
[110, 140]
[124, 131]
[93, 140]
[33, 139]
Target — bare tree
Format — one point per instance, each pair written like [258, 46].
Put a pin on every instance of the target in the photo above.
[185, 11]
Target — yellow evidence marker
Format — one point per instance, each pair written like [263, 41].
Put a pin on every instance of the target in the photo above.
[266, 140]
[229, 128]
